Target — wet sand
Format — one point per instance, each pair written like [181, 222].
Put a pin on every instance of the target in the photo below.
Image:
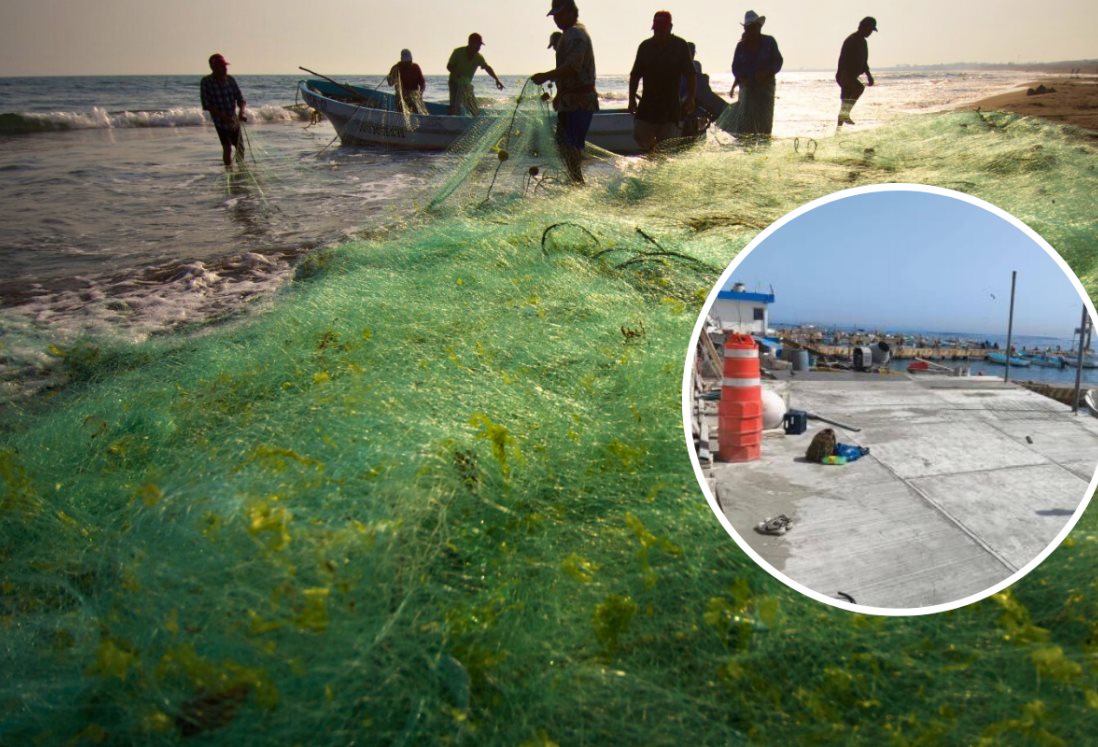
[1074, 101]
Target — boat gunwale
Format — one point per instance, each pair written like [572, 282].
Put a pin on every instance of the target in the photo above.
[341, 113]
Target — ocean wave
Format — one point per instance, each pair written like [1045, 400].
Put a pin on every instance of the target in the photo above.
[153, 301]
[29, 123]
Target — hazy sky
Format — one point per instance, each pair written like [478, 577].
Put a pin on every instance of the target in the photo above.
[69, 37]
[910, 260]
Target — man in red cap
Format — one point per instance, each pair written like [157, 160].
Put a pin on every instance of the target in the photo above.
[221, 97]
[463, 65]
[663, 60]
[577, 100]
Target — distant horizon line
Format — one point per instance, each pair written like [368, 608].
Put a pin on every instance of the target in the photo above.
[884, 329]
[900, 67]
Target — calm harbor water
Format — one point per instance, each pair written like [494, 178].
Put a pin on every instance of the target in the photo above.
[1062, 346]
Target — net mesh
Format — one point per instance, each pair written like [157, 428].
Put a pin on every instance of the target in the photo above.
[439, 492]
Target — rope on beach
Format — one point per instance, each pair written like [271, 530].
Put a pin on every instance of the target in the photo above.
[248, 140]
[501, 148]
[251, 176]
[809, 147]
[990, 123]
[547, 231]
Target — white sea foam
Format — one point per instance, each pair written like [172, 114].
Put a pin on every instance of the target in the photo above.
[128, 308]
[155, 301]
[99, 118]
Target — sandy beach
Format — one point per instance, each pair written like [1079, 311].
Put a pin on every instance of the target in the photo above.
[1074, 101]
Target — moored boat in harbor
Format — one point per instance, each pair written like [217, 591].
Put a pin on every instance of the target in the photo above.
[1046, 361]
[1001, 359]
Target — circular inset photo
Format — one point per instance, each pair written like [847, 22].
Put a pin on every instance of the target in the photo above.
[891, 400]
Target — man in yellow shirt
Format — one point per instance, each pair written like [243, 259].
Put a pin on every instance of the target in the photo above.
[463, 65]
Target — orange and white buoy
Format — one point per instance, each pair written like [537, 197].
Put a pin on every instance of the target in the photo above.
[740, 411]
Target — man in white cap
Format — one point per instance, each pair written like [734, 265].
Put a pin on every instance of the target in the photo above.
[577, 100]
[663, 60]
[409, 82]
[755, 64]
[463, 65]
[221, 97]
[853, 61]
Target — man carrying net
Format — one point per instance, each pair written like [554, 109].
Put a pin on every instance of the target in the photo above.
[574, 74]
[408, 80]
[220, 97]
[755, 64]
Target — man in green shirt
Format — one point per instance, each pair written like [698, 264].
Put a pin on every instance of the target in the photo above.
[463, 65]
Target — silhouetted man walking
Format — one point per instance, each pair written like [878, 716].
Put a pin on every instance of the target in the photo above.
[853, 61]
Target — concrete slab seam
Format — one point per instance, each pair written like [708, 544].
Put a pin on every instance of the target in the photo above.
[1050, 460]
[952, 519]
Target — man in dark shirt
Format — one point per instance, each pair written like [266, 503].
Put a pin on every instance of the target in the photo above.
[408, 80]
[853, 61]
[220, 97]
[662, 61]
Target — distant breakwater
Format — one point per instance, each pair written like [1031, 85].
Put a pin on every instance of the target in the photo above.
[901, 352]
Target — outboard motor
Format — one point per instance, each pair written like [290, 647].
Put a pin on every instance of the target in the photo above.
[882, 353]
[863, 357]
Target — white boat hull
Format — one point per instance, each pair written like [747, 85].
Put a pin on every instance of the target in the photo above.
[1091, 401]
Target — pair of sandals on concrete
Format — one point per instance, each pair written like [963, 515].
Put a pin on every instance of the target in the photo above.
[778, 525]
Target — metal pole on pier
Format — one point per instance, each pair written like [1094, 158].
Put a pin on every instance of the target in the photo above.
[1084, 326]
[1010, 324]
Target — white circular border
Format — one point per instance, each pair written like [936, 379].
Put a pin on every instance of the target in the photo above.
[687, 400]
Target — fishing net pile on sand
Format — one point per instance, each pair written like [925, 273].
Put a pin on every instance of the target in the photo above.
[439, 492]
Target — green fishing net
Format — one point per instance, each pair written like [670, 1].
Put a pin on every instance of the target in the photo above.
[439, 492]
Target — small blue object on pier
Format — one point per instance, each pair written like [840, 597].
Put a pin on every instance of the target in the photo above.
[795, 422]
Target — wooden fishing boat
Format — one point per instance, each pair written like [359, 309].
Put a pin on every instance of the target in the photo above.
[1001, 359]
[365, 116]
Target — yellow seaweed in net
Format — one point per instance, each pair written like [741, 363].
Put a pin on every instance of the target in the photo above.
[550, 374]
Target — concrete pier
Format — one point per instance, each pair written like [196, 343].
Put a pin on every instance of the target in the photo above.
[966, 482]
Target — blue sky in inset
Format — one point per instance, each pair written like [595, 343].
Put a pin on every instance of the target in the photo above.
[909, 260]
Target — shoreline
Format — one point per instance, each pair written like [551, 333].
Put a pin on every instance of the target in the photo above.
[1074, 101]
